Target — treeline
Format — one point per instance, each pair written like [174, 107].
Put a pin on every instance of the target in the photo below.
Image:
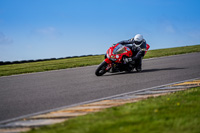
[39, 60]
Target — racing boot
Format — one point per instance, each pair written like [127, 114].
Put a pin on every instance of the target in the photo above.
[139, 65]
[139, 68]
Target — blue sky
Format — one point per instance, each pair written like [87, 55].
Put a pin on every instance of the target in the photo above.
[40, 29]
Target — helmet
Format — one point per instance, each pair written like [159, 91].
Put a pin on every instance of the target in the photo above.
[138, 39]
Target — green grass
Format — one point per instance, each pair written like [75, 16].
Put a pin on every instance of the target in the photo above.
[174, 113]
[41, 66]
[172, 51]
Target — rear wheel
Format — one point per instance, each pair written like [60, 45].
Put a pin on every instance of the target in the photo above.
[101, 70]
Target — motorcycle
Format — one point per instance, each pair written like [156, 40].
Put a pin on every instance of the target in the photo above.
[114, 60]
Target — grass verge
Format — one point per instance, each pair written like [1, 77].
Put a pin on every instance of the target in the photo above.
[41, 66]
[173, 113]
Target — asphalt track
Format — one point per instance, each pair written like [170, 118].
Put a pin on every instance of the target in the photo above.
[31, 93]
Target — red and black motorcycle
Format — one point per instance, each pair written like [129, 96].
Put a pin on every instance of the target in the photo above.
[114, 60]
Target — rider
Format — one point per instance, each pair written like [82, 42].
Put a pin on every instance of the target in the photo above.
[138, 47]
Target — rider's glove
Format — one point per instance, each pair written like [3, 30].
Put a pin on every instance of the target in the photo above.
[127, 60]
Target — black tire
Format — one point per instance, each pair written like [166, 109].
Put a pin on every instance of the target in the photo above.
[101, 70]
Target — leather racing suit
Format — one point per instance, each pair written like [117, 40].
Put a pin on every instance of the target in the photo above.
[137, 49]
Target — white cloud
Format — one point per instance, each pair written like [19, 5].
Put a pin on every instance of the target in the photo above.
[169, 28]
[49, 32]
[4, 39]
[166, 26]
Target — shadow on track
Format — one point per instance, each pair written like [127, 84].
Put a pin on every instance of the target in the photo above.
[161, 69]
[145, 71]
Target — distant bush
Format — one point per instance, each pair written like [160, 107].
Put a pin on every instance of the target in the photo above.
[39, 60]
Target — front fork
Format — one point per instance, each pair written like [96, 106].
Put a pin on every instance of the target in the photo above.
[109, 66]
[109, 62]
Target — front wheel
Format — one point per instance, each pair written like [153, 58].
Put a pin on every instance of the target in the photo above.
[101, 70]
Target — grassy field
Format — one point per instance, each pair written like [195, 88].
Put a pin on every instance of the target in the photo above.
[174, 113]
[41, 66]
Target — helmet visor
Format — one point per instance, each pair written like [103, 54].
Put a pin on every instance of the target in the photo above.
[137, 42]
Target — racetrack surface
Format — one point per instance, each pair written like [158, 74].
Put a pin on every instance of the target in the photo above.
[31, 93]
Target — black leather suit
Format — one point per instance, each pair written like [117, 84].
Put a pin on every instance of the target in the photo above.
[137, 49]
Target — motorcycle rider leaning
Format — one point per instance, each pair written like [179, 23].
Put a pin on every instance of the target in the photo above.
[138, 48]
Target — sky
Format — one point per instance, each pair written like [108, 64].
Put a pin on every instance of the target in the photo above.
[42, 29]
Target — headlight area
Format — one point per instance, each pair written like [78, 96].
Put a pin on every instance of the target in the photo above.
[112, 58]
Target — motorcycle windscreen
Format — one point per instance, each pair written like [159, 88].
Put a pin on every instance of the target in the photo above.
[119, 49]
